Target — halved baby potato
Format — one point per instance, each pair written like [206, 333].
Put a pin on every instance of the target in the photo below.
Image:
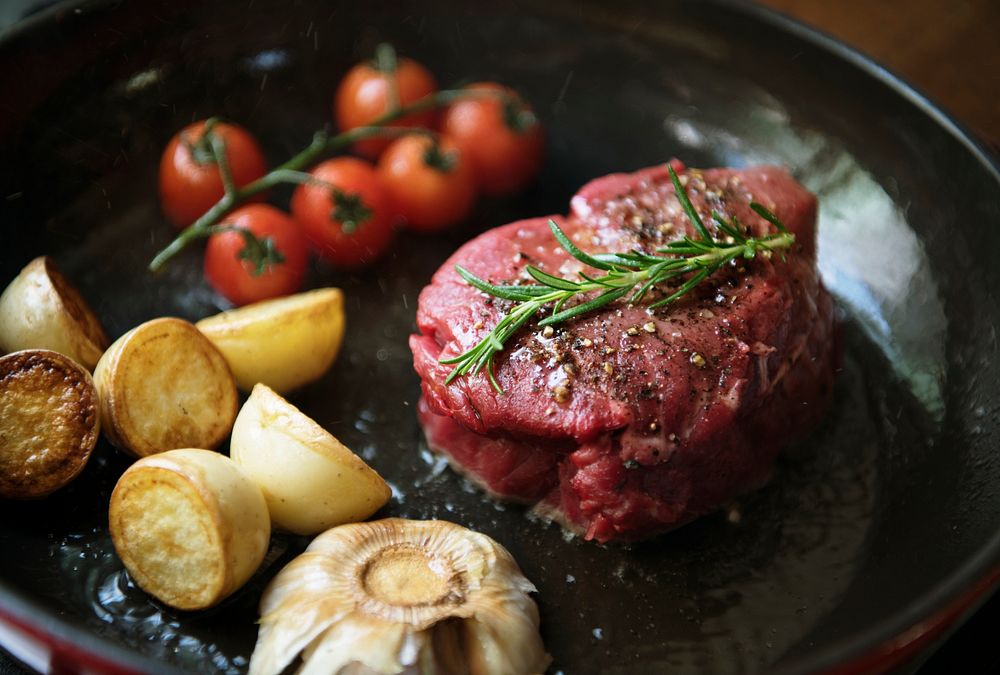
[163, 385]
[49, 422]
[283, 343]
[39, 309]
[189, 525]
[311, 481]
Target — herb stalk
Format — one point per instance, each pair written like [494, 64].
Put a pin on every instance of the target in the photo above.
[693, 260]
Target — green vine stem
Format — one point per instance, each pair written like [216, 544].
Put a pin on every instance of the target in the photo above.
[322, 145]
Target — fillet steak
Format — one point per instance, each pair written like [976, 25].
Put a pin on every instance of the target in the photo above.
[627, 422]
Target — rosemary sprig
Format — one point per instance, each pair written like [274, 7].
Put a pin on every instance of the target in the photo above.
[695, 259]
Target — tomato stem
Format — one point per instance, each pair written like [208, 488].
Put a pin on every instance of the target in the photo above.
[350, 210]
[517, 117]
[438, 159]
[200, 149]
[323, 144]
[219, 154]
[261, 252]
[385, 63]
[197, 230]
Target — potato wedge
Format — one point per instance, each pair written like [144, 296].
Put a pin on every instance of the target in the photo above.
[189, 525]
[49, 422]
[311, 481]
[283, 343]
[163, 385]
[39, 309]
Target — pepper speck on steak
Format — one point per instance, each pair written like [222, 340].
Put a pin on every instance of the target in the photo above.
[624, 422]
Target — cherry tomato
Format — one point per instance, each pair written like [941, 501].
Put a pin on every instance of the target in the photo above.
[502, 142]
[190, 182]
[364, 94]
[234, 276]
[350, 223]
[429, 182]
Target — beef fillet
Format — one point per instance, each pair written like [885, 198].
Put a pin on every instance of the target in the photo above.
[625, 422]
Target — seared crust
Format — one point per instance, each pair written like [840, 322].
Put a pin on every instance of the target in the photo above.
[164, 385]
[40, 309]
[49, 422]
[96, 340]
[150, 506]
[189, 525]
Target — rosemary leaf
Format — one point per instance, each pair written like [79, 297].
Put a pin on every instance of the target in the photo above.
[688, 207]
[528, 292]
[571, 248]
[695, 259]
[605, 298]
[768, 216]
[600, 281]
[629, 260]
[551, 281]
[726, 226]
[684, 289]
[505, 292]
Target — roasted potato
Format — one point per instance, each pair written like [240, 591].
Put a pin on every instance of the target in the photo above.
[189, 525]
[311, 481]
[49, 422]
[283, 343]
[39, 309]
[163, 385]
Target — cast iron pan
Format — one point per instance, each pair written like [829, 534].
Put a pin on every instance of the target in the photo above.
[872, 534]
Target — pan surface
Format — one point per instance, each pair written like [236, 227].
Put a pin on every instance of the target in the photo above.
[875, 524]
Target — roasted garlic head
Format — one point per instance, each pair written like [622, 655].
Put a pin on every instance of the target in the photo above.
[400, 596]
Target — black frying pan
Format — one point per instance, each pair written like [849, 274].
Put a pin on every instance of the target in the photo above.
[874, 534]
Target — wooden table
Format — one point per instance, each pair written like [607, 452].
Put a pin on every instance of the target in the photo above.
[948, 50]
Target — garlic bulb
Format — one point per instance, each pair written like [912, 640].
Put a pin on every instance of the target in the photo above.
[400, 596]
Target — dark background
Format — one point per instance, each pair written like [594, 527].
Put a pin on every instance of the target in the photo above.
[950, 51]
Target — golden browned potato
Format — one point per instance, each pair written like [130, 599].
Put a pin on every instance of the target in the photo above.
[39, 309]
[49, 422]
[189, 526]
[311, 481]
[163, 385]
[283, 343]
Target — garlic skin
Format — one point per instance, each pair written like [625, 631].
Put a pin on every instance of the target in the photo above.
[400, 596]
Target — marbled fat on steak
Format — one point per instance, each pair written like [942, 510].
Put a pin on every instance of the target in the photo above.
[624, 423]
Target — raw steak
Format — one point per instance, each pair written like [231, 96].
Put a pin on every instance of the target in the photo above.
[625, 423]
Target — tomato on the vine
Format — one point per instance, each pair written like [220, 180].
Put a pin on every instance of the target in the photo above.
[366, 92]
[268, 265]
[348, 222]
[429, 181]
[190, 182]
[501, 139]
